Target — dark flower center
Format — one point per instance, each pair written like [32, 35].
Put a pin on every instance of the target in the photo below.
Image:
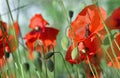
[87, 33]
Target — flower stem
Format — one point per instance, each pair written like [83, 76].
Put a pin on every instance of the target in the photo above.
[117, 44]
[64, 63]
[95, 71]
[109, 35]
[91, 67]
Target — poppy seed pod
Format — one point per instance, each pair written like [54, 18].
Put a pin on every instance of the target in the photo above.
[70, 14]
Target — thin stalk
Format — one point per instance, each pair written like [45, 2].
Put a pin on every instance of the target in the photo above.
[46, 69]
[117, 44]
[68, 21]
[95, 71]
[22, 71]
[91, 67]
[64, 10]
[53, 57]
[4, 36]
[110, 59]
[7, 70]
[14, 63]
[7, 64]
[3, 44]
[65, 64]
[14, 34]
[78, 71]
[38, 74]
[109, 35]
[108, 55]
[54, 61]
[20, 31]
[44, 61]
[54, 65]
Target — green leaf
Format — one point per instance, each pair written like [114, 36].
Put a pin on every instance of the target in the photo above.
[74, 53]
[64, 43]
[48, 55]
[50, 65]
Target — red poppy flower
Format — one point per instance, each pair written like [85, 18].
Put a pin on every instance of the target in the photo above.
[91, 45]
[40, 35]
[88, 19]
[7, 42]
[3, 35]
[113, 22]
[87, 47]
[38, 21]
[46, 38]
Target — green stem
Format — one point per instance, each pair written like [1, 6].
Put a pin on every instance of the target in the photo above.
[65, 12]
[54, 63]
[95, 70]
[64, 63]
[78, 71]
[108, 55]
[14, 63]
[91, 67]
[38, 74]
[117, 44]
[109, 35]
[15, 39]
[44, 61]
[110, 59]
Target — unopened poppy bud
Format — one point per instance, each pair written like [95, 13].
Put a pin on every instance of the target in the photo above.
[27, 66]
[7, 55]
[70, 14]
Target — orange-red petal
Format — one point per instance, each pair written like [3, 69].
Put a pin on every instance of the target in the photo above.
[113, 21]
[89, 16]
[38, 21]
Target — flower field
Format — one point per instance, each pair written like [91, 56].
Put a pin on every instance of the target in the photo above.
[59, 39]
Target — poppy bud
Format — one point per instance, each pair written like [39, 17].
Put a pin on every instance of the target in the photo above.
[70, 14]
[27, 66]
[7, 54]
[38, 64]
